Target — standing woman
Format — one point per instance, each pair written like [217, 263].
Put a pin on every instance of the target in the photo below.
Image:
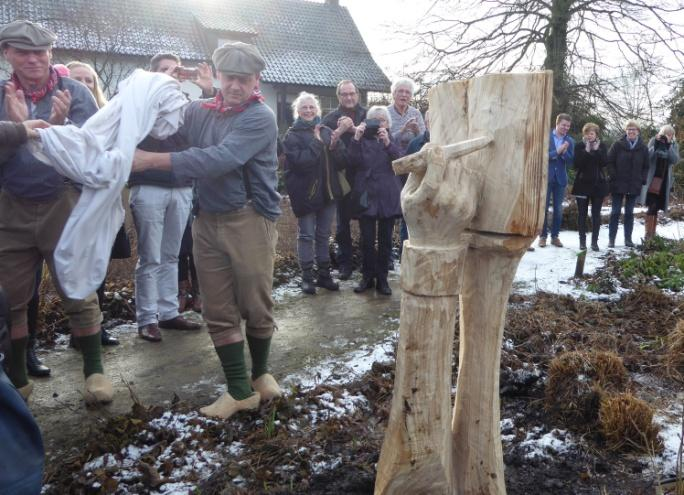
[314, 156]
[628, 168]
[591, 159]
[121, 249]
[663, 153]
[376, 193]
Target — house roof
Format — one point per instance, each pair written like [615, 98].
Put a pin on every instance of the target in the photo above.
[303, 42]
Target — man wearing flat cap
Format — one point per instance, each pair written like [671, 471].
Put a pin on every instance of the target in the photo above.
[233, 158]
[35, 201]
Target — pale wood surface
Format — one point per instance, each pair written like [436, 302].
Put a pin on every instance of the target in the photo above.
[477, 456]
[473, 203]
[515, 109]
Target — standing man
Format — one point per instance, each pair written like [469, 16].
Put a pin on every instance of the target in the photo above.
[343, 121]
[561, 155]
[35, 201]
[160, 204]
[232, 156]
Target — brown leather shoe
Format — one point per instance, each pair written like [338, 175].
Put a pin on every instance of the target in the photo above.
[150, 332]
[542, 242]
[556, 242]
[179, 323]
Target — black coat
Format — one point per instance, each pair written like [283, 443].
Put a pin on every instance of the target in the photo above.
[590, 179]
[627, 168]
[311, 177]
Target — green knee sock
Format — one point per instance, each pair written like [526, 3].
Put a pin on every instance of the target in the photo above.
[91, 348]
[259, 350]
[232, 358]
[17, 370]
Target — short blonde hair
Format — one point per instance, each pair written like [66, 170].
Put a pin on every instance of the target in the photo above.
[303, 96]
[590, 126]
[632, 123]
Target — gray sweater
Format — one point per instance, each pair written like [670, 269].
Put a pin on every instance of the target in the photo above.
[223, 148]
[25, 176]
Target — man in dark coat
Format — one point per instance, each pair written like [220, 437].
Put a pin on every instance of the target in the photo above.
[628, 169]
[344, 121]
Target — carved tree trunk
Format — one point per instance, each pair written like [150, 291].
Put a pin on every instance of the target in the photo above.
[495, 126]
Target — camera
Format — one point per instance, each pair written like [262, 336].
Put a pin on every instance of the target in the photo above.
[186, 72]
[372, 127]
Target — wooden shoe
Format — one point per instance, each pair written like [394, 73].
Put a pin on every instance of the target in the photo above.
[225, 406]
[25, 391]
[267, 386]
[98, 389]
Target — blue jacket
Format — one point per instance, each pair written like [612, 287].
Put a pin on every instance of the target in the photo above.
[558, 164]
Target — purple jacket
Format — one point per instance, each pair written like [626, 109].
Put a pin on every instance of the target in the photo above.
[374, 174]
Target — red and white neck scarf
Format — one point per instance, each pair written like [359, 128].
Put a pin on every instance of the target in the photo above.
[218, 104]
[37, 94]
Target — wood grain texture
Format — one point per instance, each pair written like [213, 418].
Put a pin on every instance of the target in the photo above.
[515, 109]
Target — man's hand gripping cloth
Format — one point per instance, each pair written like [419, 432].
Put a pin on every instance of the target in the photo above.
[99, 156]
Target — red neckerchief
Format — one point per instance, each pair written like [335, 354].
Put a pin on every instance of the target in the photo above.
[217, 103]
[38, 94]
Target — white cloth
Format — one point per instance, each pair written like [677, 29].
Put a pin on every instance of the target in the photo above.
[99, 156]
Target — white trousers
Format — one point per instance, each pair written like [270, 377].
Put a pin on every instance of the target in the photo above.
[160, 216]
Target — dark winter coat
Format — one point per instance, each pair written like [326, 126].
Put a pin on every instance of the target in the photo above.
[590, 179]
[670, 155]
[372, 162]
[12, 135]
[311, 167]
[627, 168]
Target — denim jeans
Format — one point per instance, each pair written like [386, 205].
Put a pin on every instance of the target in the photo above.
[556, 192]
[160, 215]
[630, 200]
[314, 236]
[375, 262]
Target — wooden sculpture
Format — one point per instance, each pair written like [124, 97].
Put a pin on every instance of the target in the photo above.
[474, 203]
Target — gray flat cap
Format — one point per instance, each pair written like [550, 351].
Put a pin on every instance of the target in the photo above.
[26, 35]
[236, 57]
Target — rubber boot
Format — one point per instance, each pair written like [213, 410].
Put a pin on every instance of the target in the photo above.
[308, 285]
[325, 279]
[34, 365]
[651, 222]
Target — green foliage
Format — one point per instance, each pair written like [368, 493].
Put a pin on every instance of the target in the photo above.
[661, 262]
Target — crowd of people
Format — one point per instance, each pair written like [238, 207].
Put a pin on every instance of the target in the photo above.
[631, 172]
[204, 202]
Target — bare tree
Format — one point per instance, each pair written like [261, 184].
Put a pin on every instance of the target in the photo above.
[584, 42]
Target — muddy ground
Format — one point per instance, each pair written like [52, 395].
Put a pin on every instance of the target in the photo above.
[327, 439]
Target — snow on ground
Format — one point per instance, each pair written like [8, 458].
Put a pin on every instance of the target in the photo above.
[549, 269]
[671, 422]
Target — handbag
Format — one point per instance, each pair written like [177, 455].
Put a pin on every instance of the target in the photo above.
[656, 185]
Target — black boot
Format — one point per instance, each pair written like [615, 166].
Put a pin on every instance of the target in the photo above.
[365, 284]
[583, 242]
[34, 365]
[382, 286]
[325, 279]
[108, 339]
[345, 272]
[308, 286]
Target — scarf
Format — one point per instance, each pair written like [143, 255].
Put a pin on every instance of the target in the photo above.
[218, 104]
[37, 94]
[306, 124]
